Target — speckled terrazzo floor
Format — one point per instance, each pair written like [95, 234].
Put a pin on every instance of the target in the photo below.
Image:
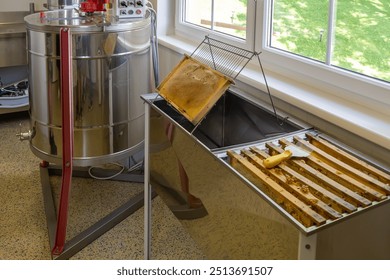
[23, 228]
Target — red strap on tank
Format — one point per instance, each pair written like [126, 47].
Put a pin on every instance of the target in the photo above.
[67, 137]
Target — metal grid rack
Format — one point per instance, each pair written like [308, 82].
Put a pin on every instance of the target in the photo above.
[230, 61]
[225, 58]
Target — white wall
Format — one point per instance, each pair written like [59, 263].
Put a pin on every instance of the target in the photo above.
[20, 5]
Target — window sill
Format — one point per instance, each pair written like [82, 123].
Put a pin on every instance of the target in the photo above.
[360, 120]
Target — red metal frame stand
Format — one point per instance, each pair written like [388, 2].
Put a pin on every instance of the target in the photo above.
[67, 137]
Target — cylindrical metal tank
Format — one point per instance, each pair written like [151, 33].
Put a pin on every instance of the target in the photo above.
[111, 68]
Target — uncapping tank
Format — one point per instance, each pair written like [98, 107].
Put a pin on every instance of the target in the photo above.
[111, 64]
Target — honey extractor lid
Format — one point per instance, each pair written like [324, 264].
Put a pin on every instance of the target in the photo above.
[54, 20]
[193, 88]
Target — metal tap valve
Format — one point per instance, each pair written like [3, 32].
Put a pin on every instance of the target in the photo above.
[24, 135]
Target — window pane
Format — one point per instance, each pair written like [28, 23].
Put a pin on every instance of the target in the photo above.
[230, 17]
[362, 39]
[300, 27]
[198, 12]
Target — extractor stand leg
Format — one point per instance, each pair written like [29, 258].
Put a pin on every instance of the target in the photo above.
[48, 201]
[67, 137]
[92, 233]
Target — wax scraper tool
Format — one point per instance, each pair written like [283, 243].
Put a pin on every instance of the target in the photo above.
[289, 151]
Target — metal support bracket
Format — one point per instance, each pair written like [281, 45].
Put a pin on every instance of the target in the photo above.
[67, 137]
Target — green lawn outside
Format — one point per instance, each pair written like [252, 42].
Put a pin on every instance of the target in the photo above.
[362, 38]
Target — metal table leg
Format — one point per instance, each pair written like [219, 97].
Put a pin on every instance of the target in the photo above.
[307, 247]
[147, 189]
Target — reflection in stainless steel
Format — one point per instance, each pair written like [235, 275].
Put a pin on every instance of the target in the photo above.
[111, 69]
[239, 224]
[59, 4]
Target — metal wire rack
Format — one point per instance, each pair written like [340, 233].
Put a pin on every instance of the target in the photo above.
[230, 61]
[225, 58]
